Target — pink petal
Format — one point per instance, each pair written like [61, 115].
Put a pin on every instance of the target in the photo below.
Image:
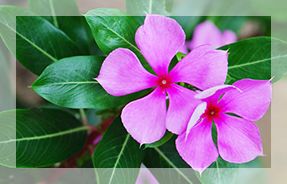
[206, 33]
[195, 117]
[211, 91]
[202, 67]
[198, 150]
[181, 106]
[238, 139]
[122, 74]
[159, 39]
[254, 100]
[145, 176]
[145, 118]
[228, 37]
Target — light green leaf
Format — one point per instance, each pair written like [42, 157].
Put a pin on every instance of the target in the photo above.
[117, 150]
[43, 136]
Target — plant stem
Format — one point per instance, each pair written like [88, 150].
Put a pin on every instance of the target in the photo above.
[83, 117]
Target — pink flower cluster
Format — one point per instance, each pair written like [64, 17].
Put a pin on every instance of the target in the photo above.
[233, 109]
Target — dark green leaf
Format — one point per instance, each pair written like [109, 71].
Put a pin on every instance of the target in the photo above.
[36, 36]
[250, 58]
[112, 29]
[70, 83]
[65, 15]
[143, 7]
[44, 136]
[117, 150]
[166, 156]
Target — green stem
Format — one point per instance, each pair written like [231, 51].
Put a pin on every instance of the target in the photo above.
[83, 117]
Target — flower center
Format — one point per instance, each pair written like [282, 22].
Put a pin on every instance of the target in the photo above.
[164, 82]
[212, 111]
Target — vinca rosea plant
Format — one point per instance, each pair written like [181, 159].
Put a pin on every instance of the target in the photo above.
[152, 91]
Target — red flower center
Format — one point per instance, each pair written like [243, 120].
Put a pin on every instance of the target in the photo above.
[212, 111]
[164, 82]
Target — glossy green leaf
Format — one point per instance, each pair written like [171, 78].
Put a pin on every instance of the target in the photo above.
[112, 29]
[117, 150]
[65, 15]
[36, 36]
[143, 7]
[250, 58]
[70, 83]
[166, 156]
[44, 136]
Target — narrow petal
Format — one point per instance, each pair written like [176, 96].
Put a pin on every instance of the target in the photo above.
[145, 118]
[228, 37]
[122, 74]
[206, 33]
[202, 67]
[238, 139]
[159, 39]
[252, 102]
[181, 105]
[195, 117]
[198, 150]
[211, 91]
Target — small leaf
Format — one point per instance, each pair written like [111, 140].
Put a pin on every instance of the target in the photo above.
[117, 150]
[162, 141]
[36, 36]
[43, 136]
[70, 83]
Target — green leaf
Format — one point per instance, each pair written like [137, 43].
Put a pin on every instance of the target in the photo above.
[65, 15]
[112, 29]
[117, 150]
[36, 36]
[44, 136]
[143, 7]
[166, 156]
[162, 141]
[221, 172]
[250, 58]
[70, 83]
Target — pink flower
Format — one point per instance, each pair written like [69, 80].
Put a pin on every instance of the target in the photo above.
[233, 110]
[207, 33]
[159, 39]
